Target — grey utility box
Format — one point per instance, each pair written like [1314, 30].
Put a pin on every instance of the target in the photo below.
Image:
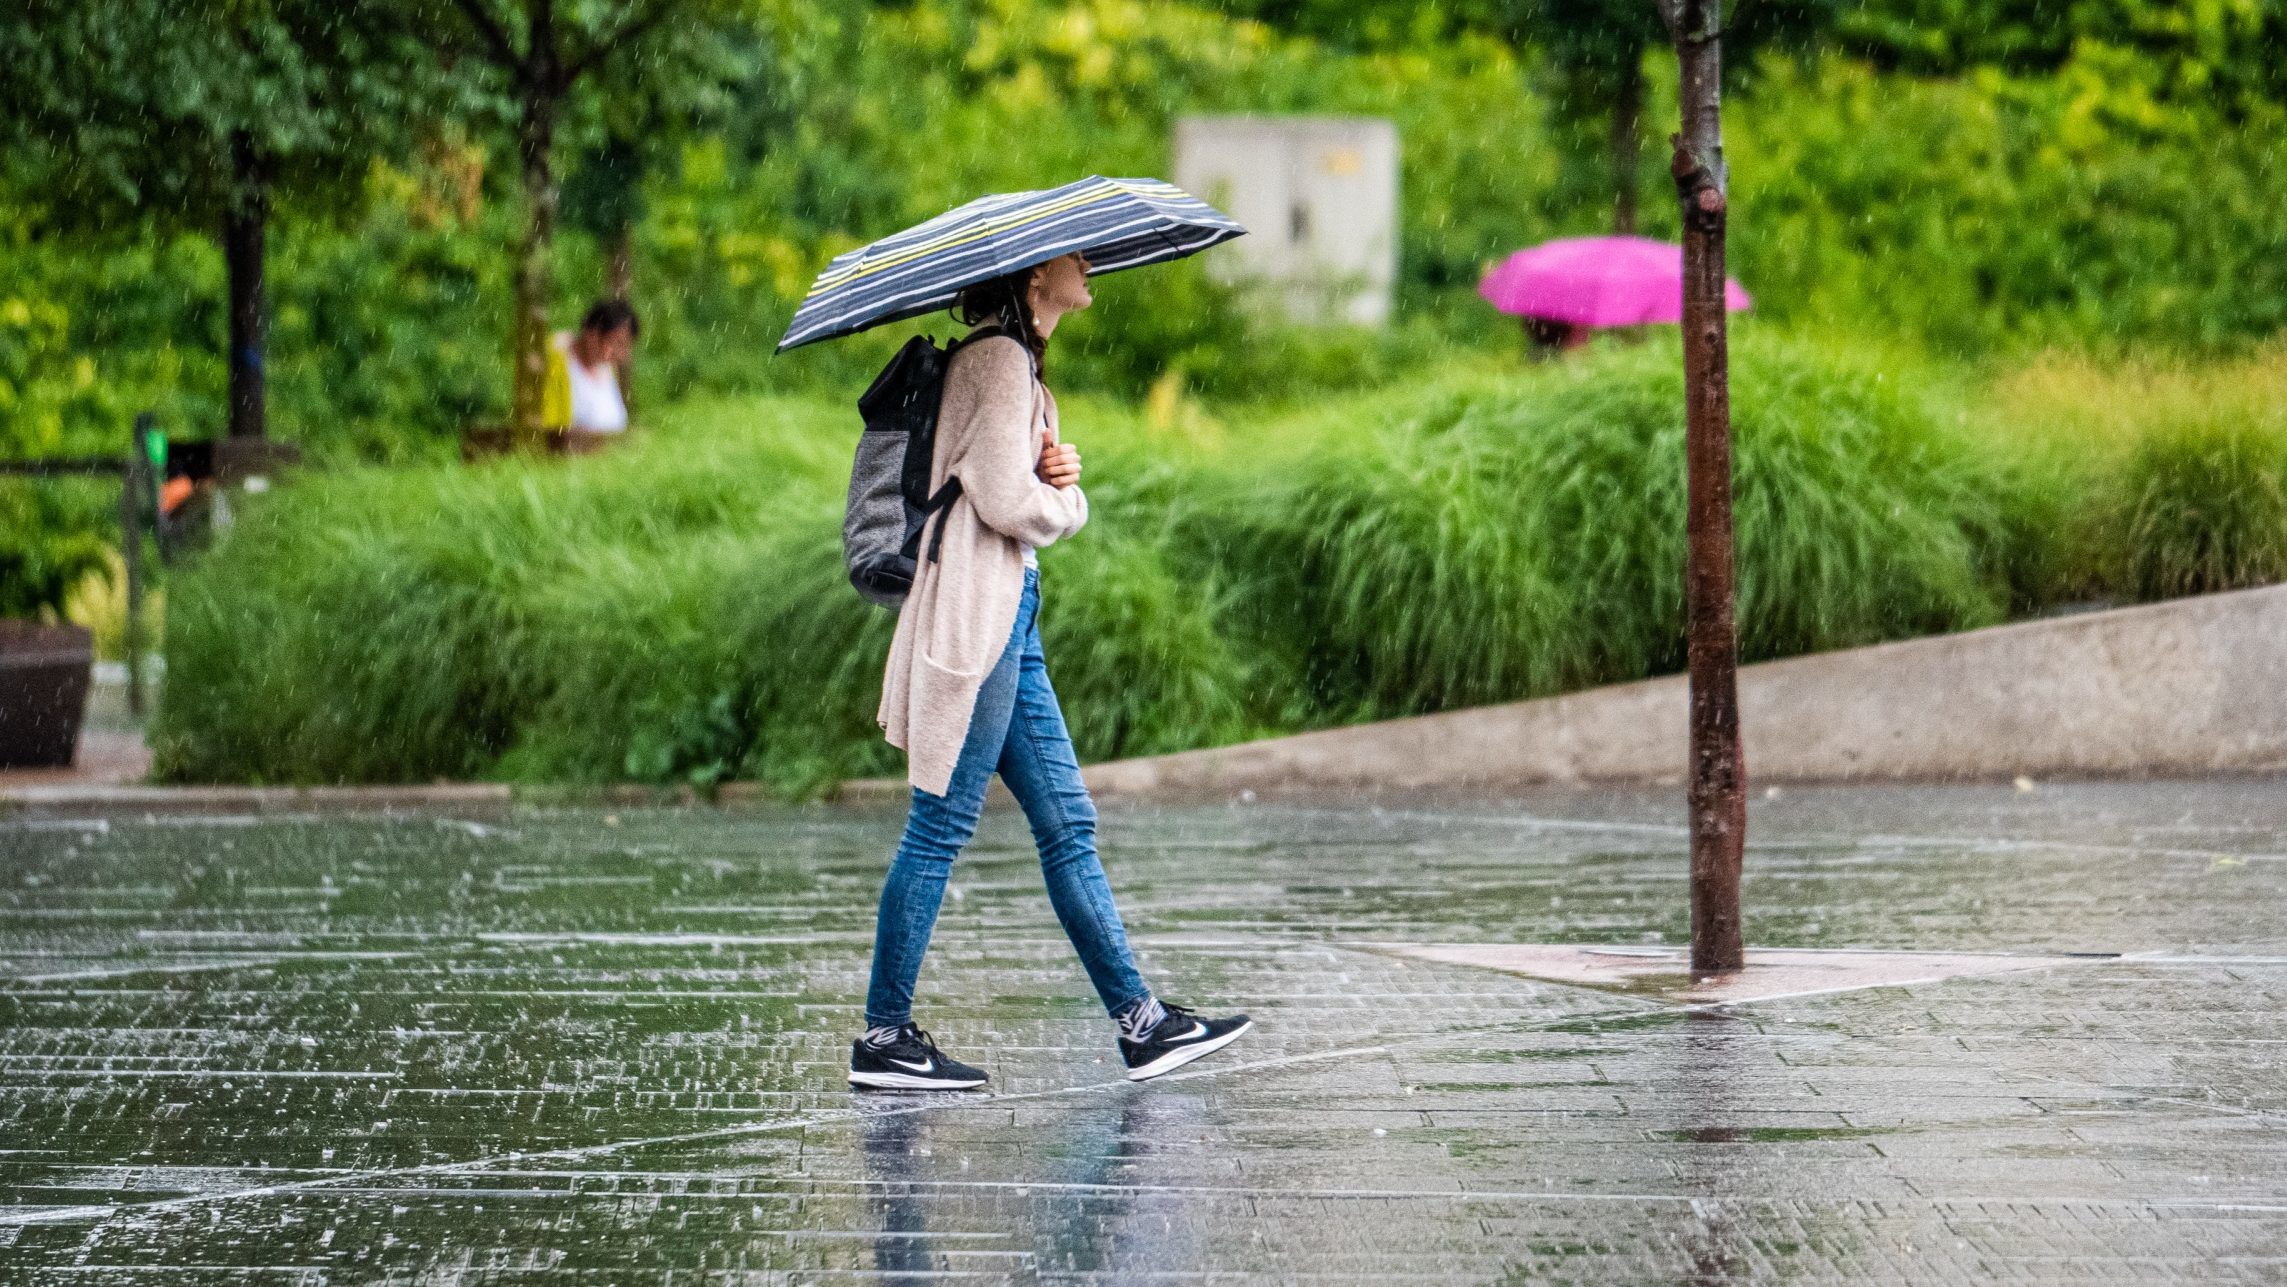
[1319, 197]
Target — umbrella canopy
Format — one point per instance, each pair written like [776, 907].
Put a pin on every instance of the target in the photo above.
[1597, 281]
[1116, 223]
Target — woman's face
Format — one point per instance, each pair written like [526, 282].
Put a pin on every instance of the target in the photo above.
[1061, 285]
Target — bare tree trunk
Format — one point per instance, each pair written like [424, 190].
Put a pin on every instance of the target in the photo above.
[621, 274]
[1627, 144]
[1718, 772]
[244, 227]
[540, 77]
[535, 272]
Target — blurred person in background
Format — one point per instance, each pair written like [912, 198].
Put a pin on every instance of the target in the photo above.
[584, 402]
[1547, 338]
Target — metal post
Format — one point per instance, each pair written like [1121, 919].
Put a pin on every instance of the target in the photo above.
[245, 231]
[134, 486]
[1717, 796]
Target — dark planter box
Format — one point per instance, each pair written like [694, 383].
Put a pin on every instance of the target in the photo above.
[44, 673]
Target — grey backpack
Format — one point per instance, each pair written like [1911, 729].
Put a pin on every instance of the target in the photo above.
[890, 502]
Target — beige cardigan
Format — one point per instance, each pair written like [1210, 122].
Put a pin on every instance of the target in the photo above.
[991, 426]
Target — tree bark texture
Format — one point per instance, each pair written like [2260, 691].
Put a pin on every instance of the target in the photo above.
[1717, 797]
[543, 74]
[245, 226]
[542, 82]
[621, 270]
[535, 270]
[622, 281]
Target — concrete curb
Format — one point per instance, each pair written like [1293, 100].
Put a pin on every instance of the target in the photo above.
[64, 799]
[2192, 686]
[244, 799]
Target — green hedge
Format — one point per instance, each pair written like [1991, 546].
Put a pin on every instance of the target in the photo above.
[1500, 538]
[675, 611]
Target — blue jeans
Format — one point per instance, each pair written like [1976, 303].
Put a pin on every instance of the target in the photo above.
[1017, 729]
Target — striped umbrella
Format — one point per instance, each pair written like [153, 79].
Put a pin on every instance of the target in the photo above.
[1116, 223]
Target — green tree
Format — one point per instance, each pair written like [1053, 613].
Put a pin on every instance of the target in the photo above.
[121, 116]
[2227, 53]
[541, 54]
[1593, 51]
[641, 123]
[1596, 50]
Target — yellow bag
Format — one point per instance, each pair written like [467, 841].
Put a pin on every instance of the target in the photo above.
[556, 389]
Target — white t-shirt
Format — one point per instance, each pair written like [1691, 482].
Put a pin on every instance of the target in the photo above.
[596, 402]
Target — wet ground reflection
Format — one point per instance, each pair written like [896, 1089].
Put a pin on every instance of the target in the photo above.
[897, 1162]
[571, 1044]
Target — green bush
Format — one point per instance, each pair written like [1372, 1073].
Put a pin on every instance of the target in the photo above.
[2200, 506]
[672, 612]
[1137, 650]
[53, 535]
[675, 611]
[2149, 477]
[1174, 322]
[1496, 538]
[54, 532]
[677, 668]
[374, 625]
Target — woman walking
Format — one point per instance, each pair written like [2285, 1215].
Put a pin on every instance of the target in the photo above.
[966, 695]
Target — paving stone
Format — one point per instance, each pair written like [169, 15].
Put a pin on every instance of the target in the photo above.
[593, 1045]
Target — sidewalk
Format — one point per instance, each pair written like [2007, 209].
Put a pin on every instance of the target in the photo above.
[611, 1043]
[111, 750]
[106, 758]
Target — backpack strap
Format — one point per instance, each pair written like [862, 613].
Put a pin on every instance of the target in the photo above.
[938, 504]
[944, 497]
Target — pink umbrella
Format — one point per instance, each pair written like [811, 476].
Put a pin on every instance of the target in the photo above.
[1597, 281]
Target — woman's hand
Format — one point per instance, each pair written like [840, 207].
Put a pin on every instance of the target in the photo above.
[1059, 464]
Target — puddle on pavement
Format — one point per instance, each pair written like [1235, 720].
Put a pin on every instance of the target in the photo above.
[437, 1046]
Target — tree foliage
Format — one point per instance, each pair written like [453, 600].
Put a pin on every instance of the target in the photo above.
[1970, 206]
[201, 114]
[126, 111]
[2229, 53]
[656, 57]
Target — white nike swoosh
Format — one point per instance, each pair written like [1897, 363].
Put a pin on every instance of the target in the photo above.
[1198, 1030]
[926, 1065]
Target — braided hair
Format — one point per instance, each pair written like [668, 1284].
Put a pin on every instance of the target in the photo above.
[1005, 302]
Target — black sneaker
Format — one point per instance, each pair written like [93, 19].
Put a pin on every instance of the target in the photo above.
[1177, 1040]
[911, 1062]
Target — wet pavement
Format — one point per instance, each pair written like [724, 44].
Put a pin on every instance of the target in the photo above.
[565, 1045]
[110, 751]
